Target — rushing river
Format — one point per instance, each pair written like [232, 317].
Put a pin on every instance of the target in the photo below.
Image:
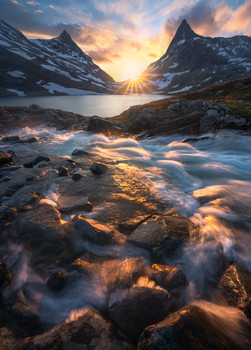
[207, 181]
[105, 106]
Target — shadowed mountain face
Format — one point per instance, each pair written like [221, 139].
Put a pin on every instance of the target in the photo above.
[192, 62]
[47, 67]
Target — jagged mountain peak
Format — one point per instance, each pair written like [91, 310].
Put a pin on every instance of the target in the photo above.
[184, 32]
[65, 36]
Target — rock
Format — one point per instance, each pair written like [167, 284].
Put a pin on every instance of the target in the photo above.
[169, 277]
[98, 168]
[96, 232]
[99, 125]
[37, 160]
[194, 328]
[12, 153]
[69, 204]
[57, 281]
[77, 177]
[247, 309]
[79, 152]
[235, 286]
[20, 203]
[5, 179]
[29, 140]
[11, 139]
[141, 307]
[210, 120]
[12, 189]
[7, 339]
[7, 213]
[88, 331]
[5, 276]
[62, 171]
[72, 163]
[169, 248]
[131, 225]
[5, 158]
[154, 230]
[82, 266]
[24, 316]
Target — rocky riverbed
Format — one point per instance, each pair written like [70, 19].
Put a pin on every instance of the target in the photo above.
[111, 241]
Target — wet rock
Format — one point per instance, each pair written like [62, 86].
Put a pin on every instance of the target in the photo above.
[77, 177]
[12, 189]
[57, 281]
[169, 277]
[99, 125]
[5, 158]
[5, 179]
[11, 139]
[89, 331]
[37, 160]
[69, 204]
[79, 152]
[157, 228]
[235, 286]
[168, 249]
[29, 140]
[131, 225]
[141, 307]
[7, 213]
[98, 168]
[5, 276]
[247, 309]
[23, 315]
[194, 328]
[62, 171]
[123, 274]
[82, 266]
[21, 202]
[12, 153]
[96, 232]
[71, 163]
[7, 339]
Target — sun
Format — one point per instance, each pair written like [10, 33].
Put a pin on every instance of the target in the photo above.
[131, 69]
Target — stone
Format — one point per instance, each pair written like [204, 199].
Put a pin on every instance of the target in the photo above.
[5, 158]
[12, 153]
[169, 277]
[12, 189]
[37, 160]
[5, 276]
[29, 140]
[79, 152]
[141, 307]
[95, 232]
[98, 168]
[21, 202]
[62, 171]
[194, 327]
[69, 204]
[11, 139]
[57, 281]
[7, 213]
[76, 177]
[99, 125]
[247, 309]
[87, 330]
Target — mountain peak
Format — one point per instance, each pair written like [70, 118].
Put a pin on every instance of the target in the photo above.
[65, 36]
[183, 32]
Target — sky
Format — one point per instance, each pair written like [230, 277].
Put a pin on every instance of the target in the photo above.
[124, 36]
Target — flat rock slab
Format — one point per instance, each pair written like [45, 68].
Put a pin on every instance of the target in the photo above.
[69, 204]
[157, 228]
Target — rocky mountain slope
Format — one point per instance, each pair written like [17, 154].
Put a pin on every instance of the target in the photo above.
[47, 67]
[192, 62]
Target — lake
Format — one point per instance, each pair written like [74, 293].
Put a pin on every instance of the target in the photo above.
[105, 106]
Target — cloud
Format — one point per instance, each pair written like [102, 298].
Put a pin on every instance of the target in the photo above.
[240, 20]
[33, 3]
[38, 11]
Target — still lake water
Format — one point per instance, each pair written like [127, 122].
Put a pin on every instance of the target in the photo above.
[102, 105]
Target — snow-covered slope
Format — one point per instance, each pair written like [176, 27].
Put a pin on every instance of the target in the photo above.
[192, 62]
[44, 67]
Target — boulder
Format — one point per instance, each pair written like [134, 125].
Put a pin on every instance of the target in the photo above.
[195, 328]
[89, 331]
[62, 171]
[5, 158]
[79, 153]
[69, 204]
[235, 286]
[37, 160]
[168, 277]
[11, 139]
[7, 213]
[5, 276]
[100, 125]
[154, 230]
[98, 168]
[20, 203]
[57, 281]
[95, 232]
[141, 307]
[77, 177]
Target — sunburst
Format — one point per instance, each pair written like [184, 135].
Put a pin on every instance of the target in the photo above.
[138, 86]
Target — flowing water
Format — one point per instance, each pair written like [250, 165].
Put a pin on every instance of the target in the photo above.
[208, 181]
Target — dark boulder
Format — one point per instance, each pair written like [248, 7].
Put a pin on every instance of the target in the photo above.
[5, 158]
[12, 153]
[195, 328]
[89, 331]
[79, 152]
[36, 161]
[29, 140]
[141, 307]
[247, 309]
[77, 177]
[11, 139]
[168, 277]
[99, 125]
[5, 276]
[70, 204]
[98, 168]
[7, 213]
[57, 281]
[62, 171]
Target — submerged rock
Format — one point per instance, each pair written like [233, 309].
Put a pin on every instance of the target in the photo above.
[141, 307]
[98, 168]
[5, 158]
[11, 139]
[69, 204]
[87, 331]
[194, 328]
[37, 160]
[77, 177]
[7, 213]
[79, 152]
[5, 276]
[62, 171]
[57, 281]
[169, 277]
[100, 125]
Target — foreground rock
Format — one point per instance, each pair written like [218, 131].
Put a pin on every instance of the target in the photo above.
[104, 126]
[196, 328]
[140, 307]
[5, 158]
[90, 331]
